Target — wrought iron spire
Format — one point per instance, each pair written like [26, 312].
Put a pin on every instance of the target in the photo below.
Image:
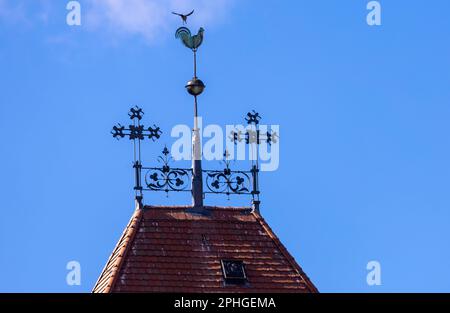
[194, 87]
[167, 178]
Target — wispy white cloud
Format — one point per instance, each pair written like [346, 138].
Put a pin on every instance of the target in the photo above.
[150, 18]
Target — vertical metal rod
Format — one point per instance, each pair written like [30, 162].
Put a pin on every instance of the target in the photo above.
[138, 187]
[139, 143]
[195, 63]
[255, 171]
[197, 173]
[137, 166]
[140, 197]
[195, 113]
[134, 144]
[134, 164]
[257, 147]
[255, 190]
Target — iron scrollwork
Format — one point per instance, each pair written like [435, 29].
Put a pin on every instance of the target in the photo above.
[228, 181]
[166, 178]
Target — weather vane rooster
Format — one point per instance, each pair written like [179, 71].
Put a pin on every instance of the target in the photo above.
[192, 42]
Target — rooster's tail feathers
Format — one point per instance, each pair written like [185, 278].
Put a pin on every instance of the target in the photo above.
[182, 32]
[185, 35]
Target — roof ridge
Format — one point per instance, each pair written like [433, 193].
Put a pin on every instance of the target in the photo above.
[183, 207]
[285, 252]
[121, 249]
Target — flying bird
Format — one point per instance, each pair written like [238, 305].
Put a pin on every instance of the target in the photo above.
[192, 42]
[184, 16]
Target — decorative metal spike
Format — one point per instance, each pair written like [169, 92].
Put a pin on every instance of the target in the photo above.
[165, 178]
[117, 131]
[154, 133]
[253, 118]
[235, 136]
[271, 137]
[136, 112]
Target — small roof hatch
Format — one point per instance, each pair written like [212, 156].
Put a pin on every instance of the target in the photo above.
[234, 271]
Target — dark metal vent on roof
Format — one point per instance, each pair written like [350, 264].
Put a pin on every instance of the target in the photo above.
[234, 272]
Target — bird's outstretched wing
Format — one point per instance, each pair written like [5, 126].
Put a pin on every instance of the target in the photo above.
[190, 13]
[177, 13]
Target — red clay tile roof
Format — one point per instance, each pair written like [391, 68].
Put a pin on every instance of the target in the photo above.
[166, 249]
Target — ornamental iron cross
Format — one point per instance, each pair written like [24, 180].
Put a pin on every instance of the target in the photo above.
[137, 133]
[253, 135]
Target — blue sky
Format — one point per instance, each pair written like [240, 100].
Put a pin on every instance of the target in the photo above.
[363, 114]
